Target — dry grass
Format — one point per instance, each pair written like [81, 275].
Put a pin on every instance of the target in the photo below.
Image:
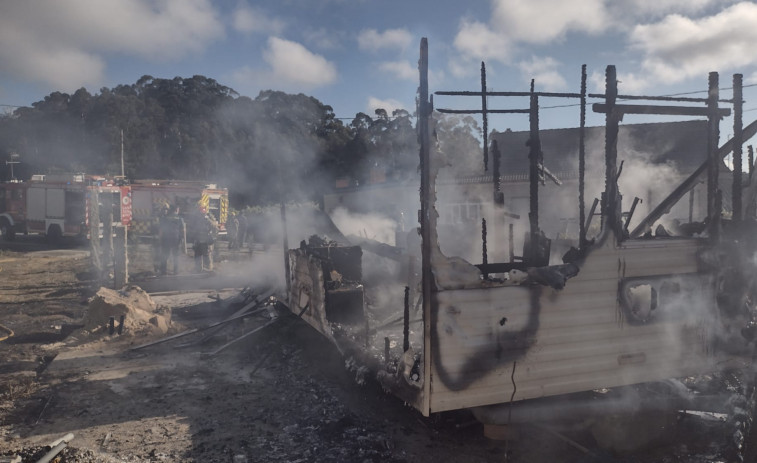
[18, 388]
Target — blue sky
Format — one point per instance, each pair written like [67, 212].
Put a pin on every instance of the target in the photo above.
[356, 55]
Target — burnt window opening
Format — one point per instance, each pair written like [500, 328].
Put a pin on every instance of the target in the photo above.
[639, 302]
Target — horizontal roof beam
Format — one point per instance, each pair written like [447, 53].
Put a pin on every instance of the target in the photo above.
[664, 110]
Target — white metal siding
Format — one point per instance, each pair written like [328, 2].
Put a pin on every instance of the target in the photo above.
[581, 342]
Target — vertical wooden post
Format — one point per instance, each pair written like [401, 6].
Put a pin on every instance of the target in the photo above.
[534, 155]
[426, 219]
[610, 210]
[737, 147]
[485, 117]
[713, 164]
[582, 164]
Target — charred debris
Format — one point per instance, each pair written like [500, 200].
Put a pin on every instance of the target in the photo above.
[631, 301]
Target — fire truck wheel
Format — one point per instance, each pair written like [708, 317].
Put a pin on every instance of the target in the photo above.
[6, 231]
[54, 234]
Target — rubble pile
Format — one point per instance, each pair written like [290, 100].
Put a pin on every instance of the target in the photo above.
[140, 313]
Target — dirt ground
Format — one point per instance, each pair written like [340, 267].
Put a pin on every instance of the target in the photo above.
[281, 394]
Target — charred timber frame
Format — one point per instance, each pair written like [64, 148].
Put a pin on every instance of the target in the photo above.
[427, 220]
[691, 181]
[737, 148]
[536, 166]
[611, 205]
[582, 165]
[713, 134]
[713, 113]
[615, 114]
[444, 304]
[534, 160]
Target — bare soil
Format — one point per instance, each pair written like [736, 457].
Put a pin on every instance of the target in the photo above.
[282, 394]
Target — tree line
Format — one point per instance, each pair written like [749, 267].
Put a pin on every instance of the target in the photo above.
[274, 146]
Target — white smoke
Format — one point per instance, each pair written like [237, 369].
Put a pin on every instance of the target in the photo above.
[372, 226]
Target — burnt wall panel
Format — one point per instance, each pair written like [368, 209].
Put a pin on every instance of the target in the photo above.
[570, 340]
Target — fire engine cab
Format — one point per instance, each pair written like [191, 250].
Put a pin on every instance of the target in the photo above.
[57, 205]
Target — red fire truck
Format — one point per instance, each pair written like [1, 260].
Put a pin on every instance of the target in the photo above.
[57, 205]
[149, 197]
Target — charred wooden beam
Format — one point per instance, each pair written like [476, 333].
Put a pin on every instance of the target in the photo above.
[592, 211]
[484, 253]
[488, 111]
[406, 322]
[748, 132]
[660, 110]
[582, 164]
[610, 210]
[424, 114]
[630, 213]
[658, 98]
[737, 142]
[534, 155]
[713, 160]
[472, 93]
[485, 117]
[499, 198]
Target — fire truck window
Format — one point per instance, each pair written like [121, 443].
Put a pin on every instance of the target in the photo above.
[74, 207]
[214, 207]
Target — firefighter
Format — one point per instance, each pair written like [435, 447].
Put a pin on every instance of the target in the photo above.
[204, 231]
[232, 230]
[171, 238]
[242, 233]
[157, 252]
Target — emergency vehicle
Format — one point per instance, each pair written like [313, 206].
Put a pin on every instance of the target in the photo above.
[57, 205]
[150, 197]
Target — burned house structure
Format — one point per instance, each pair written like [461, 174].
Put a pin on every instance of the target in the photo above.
[656, 157]
[510, 336]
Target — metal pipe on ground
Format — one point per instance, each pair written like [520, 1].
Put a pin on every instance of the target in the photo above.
[57, 447]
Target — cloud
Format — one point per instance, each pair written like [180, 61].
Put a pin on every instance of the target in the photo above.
[649, 9]
[292, 63]
[250, 20]
[543, 21]
[476, 40]
[677, 47]
[544, 71]
[389, 105]
[323, 38]
[400, 69]
[65, 44]
[515, 22]
[372, 40]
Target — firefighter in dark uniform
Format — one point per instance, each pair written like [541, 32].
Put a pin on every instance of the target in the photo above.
[204, 231]
[171, 238]
[232, 230]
